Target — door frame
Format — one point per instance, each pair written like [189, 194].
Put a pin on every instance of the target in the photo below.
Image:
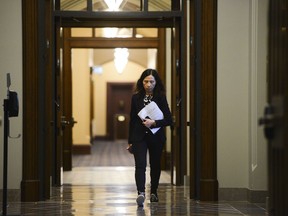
[275, 118]
[203, 115]
[31, 188]
[70, 43]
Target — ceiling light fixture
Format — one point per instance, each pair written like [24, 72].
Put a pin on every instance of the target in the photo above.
[120, 58]
[113, 5]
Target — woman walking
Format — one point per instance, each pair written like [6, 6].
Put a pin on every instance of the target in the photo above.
[146, 133]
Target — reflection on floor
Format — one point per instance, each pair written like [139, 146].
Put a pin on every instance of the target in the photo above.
[111, 191]
[107, 176]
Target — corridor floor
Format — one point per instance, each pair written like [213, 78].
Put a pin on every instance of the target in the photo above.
[110, 191]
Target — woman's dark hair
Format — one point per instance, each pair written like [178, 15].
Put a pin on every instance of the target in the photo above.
[159, 88]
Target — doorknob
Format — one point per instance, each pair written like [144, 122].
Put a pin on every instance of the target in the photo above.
[72, 122]
[179, 100]
[64, 122]
[57, 105]
[268, 122]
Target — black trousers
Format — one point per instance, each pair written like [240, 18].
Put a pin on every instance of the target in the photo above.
[154, 146]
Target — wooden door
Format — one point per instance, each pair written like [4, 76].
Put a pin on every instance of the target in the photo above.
[58, 147]
[276, 114]
[194, 169]
[67, 117]
[118, 109]
[49, 102]
[177, 165]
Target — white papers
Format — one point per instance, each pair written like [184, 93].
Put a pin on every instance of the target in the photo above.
[151, 111]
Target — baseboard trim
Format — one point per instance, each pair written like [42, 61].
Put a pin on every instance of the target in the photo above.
[82, 149]
[257, 196]
[13, 195]
[100, 138]
[242, 194]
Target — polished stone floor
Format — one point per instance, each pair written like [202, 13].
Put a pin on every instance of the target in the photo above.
[111, 191]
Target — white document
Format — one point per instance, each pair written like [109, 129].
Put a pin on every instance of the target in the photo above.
[151, 111]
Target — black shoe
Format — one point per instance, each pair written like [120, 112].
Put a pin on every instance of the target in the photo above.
[140, 199]
[154, 198]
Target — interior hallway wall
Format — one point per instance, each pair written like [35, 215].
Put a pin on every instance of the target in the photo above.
[11, 62]
[241, 93]
[81, 96]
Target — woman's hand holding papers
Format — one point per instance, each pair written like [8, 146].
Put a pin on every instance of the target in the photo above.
[148, 123]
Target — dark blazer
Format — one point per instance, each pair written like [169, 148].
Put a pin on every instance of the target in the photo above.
[137, 130]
